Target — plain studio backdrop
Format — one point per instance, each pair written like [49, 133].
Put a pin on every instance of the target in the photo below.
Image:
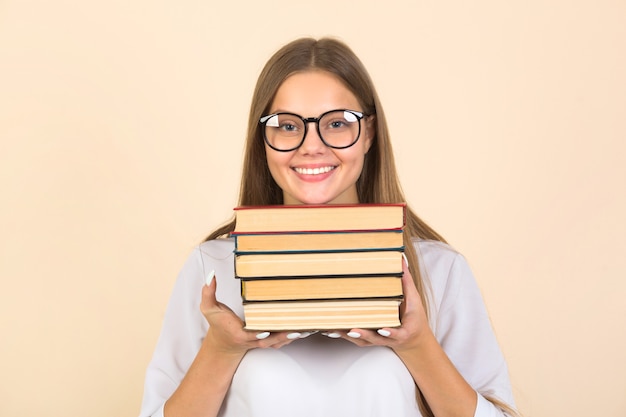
[121, 136]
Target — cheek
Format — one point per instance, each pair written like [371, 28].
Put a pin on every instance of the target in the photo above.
[277, 162]
[356, 157]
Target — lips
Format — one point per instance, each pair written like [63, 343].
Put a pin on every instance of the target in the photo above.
[314, 171]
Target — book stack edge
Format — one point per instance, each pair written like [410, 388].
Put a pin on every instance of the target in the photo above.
[320, 267]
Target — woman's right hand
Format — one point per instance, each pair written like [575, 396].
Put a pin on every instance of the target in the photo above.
[226, 330]
[202, 390]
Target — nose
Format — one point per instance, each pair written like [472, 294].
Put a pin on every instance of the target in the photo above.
[312, 142]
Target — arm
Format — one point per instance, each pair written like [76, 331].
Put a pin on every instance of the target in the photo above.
[201, 344]
[456, 361]
[445, 389]
[202, 390]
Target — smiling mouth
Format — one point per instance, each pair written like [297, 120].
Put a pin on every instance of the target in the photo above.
[314, 171]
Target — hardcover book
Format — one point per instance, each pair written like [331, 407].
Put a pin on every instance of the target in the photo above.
[317, 315]
[318, 264]
[320, 218]
[329, 241]
[320, 267]
[321, 288]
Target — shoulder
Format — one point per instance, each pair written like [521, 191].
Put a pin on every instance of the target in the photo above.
[435, 255]
[217, 249]
[446, 275]
[439, 262]
[207, 256]
[214, 255]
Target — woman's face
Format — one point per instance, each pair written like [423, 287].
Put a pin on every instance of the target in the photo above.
[315, 173]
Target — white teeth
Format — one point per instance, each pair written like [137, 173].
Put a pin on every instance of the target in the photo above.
[313, 171]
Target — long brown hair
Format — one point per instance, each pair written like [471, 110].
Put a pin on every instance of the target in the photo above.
[378, 182]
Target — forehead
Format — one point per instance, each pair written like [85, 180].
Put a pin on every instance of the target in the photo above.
[312, 93]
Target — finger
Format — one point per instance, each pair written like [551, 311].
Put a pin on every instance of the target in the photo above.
[392, 334]
[209, 278]
[383, 332]
[408, 285]
[410, 294]
[364, 337]
[209, 301]
[275, 340]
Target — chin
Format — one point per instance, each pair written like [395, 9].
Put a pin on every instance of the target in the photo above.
[309, 200]
[321, 197]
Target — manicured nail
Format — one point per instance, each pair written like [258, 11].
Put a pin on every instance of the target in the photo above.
[294, 335]
[263, 335]
[354, 335]
[209, 278]
[383, 332]
[406, 261]
[334, 335]
[304, 335]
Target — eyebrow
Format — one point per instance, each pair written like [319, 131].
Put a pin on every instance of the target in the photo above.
[284, 111]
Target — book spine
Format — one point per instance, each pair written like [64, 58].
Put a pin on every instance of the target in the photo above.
[321, 218]
[316, 231]
[323, 300]
[295, 252]
[379, 262]
[325, 276]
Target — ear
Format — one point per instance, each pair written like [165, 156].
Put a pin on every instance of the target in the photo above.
[369, 131]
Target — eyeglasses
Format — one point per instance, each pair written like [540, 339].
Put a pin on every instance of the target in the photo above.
[338, 129]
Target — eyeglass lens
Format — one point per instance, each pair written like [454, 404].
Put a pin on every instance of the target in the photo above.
[338, 129]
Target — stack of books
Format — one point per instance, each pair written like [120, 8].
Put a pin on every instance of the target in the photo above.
[320, 267]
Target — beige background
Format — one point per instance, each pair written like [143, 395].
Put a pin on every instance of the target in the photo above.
[121, 130]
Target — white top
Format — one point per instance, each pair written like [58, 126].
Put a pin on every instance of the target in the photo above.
[323, 377]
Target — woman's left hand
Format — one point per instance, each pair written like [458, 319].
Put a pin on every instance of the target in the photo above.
[414, 323]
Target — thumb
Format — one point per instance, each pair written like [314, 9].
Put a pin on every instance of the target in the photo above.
[209, 300]
[409, 291]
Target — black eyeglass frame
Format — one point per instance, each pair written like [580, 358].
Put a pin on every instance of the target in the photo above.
[263, 122]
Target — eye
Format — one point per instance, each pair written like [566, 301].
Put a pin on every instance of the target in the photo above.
[337, 124]
[338, 121]
[288, 127]
[288, 124]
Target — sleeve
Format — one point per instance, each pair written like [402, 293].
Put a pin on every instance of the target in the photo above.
[466, 335]
[182, 333]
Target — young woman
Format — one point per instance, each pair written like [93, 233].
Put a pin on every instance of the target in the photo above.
[442, 361]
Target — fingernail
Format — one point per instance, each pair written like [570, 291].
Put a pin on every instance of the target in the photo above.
[383, 332]
[263, 335]
[406, 261]
[306, 334]
[334, 335]
[354, 335]
[209, 278]
[294, 335]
